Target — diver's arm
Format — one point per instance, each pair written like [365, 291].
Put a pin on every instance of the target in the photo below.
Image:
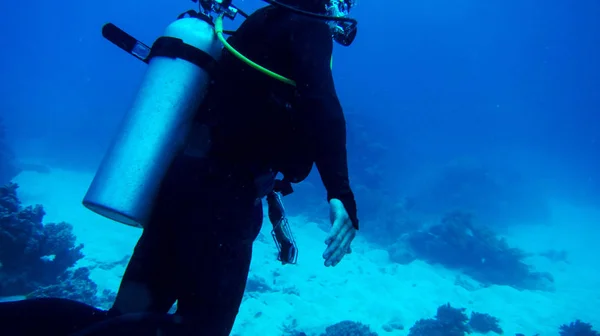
[320, 111]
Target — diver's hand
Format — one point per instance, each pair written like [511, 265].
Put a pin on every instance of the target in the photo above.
[341, 235]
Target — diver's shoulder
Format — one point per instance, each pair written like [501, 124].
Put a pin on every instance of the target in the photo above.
[271, 13]
[308, 25]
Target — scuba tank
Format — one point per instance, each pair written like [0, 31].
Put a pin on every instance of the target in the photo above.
[154, 130]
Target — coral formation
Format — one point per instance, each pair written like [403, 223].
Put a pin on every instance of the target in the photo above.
[448, 321]
[348, 328]
[457, 243]
[577, 328]
[484, 323]
[343, 328]
[35, 258]
[73, 285]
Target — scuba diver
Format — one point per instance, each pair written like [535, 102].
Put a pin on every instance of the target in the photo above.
[196, 245]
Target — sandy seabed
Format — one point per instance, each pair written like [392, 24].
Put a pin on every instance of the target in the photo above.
[366, 286]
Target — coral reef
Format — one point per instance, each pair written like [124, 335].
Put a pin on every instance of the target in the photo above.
[448, 321]
[32, 255]
[74, 285]
[477, 251]
[484, 323]
[343, 328]
[577, 328]
[348, 328]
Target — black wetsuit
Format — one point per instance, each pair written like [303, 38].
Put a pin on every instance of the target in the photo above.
[198, 245]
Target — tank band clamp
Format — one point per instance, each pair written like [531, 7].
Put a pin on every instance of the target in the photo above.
[166, 46]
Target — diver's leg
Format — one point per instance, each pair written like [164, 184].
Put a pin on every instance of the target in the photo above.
[147, 285]
[212, 277]
[47, 317]
[148, 282]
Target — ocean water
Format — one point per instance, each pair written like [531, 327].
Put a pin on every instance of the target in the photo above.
[473, 151]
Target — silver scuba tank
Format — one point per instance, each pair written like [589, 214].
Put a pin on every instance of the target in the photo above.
[153, 131]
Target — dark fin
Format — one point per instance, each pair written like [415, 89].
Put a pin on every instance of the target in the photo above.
[47, 316]
[136, 324]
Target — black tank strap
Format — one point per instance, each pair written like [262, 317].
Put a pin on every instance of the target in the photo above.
[166, 46]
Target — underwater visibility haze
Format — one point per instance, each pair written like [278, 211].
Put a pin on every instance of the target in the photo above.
[473, 138]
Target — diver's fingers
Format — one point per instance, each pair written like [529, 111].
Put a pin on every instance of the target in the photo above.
[341, 251]
[338, 216]
[336, 241]
[348, 238]
[346, 229]
[333, 245]
[334, 258]
[336, 228]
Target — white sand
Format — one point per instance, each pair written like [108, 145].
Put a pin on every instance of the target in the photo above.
[365, 286]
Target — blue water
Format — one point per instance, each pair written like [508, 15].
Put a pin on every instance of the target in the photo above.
[489, 107]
